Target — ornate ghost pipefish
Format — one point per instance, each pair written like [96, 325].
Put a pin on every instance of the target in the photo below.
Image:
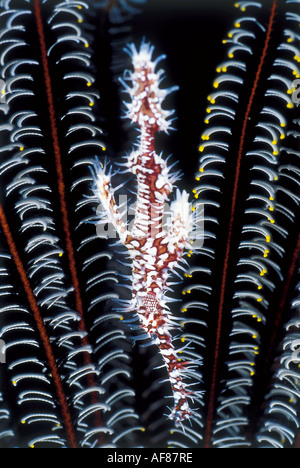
[155, 249]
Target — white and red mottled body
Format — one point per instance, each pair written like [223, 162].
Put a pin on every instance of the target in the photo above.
[155, 249]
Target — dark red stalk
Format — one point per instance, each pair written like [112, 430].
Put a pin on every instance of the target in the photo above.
[58, 162]
[231, 222]
[61, 184]
[42, 331]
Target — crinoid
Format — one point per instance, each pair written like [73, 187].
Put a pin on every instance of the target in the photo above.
[143, 305]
